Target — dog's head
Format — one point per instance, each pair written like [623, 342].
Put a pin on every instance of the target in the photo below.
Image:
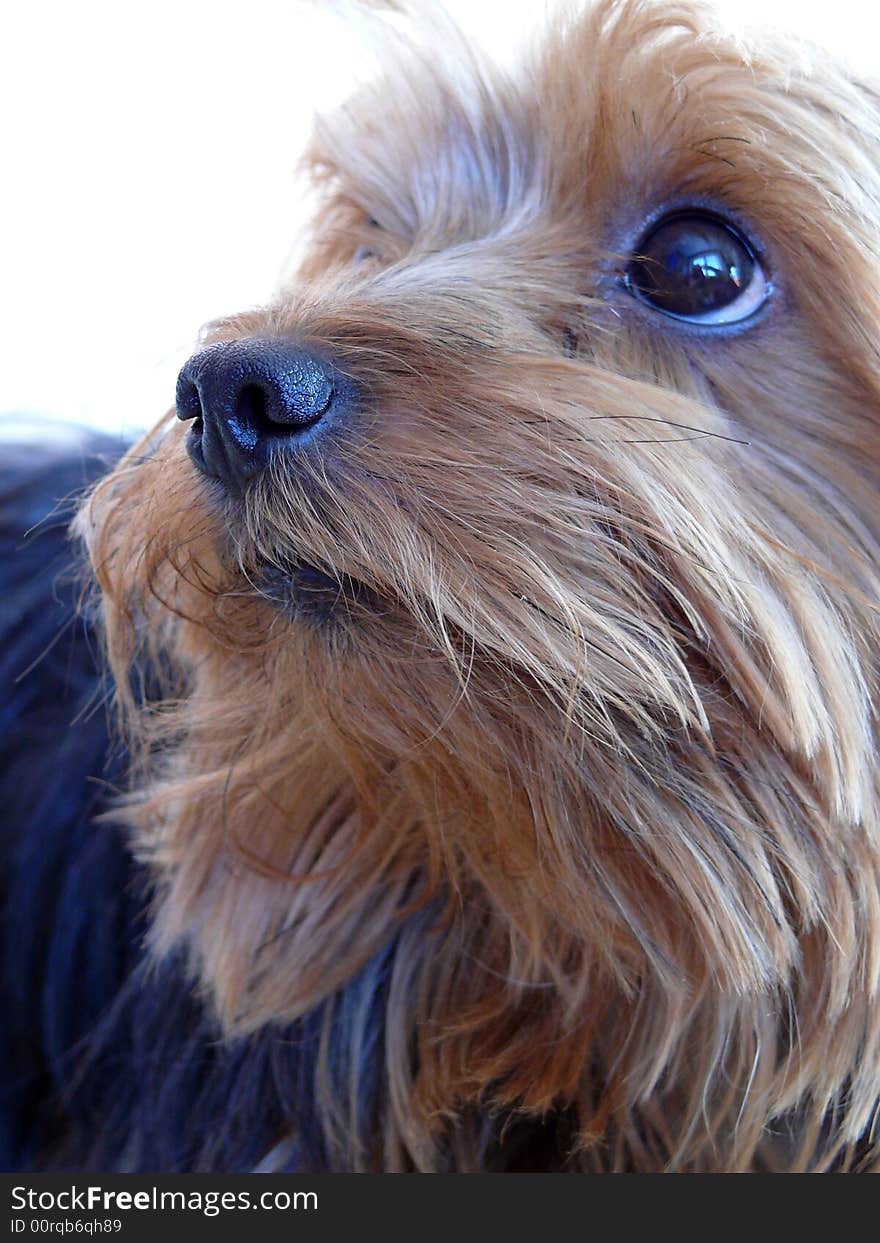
[521, 556]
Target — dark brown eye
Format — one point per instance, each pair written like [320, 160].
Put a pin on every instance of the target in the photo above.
[694, 266]
[366, 252]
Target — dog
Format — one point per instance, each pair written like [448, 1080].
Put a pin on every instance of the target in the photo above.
[493, 632]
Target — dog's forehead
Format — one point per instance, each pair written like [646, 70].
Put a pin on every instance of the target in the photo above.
[622, 107]
[424, 144]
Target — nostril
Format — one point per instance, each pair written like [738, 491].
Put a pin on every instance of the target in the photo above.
[187, 400]
[263, 410]
[250, 410]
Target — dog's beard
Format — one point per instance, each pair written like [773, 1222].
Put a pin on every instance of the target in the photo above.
[582, 644]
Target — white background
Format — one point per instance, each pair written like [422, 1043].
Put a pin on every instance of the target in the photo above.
[148, 159]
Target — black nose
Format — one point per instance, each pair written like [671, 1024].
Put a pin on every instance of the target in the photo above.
[247, 398]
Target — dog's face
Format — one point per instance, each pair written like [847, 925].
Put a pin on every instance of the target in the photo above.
[522, 555]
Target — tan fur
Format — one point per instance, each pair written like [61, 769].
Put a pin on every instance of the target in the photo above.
[606, 759]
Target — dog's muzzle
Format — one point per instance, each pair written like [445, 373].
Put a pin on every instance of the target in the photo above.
[251, 397]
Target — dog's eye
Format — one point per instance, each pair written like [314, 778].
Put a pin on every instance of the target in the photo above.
[696, 267]
[363, 253]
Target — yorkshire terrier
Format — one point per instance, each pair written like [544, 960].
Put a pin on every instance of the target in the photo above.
[494, 635]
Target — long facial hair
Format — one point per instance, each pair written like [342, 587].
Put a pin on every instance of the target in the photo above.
[587, 729]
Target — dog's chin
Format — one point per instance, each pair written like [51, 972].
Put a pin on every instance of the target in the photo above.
[316, 597]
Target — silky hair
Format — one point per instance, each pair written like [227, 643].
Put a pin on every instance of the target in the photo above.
[590, 733]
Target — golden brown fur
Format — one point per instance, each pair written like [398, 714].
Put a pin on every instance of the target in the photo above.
[614, 722]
